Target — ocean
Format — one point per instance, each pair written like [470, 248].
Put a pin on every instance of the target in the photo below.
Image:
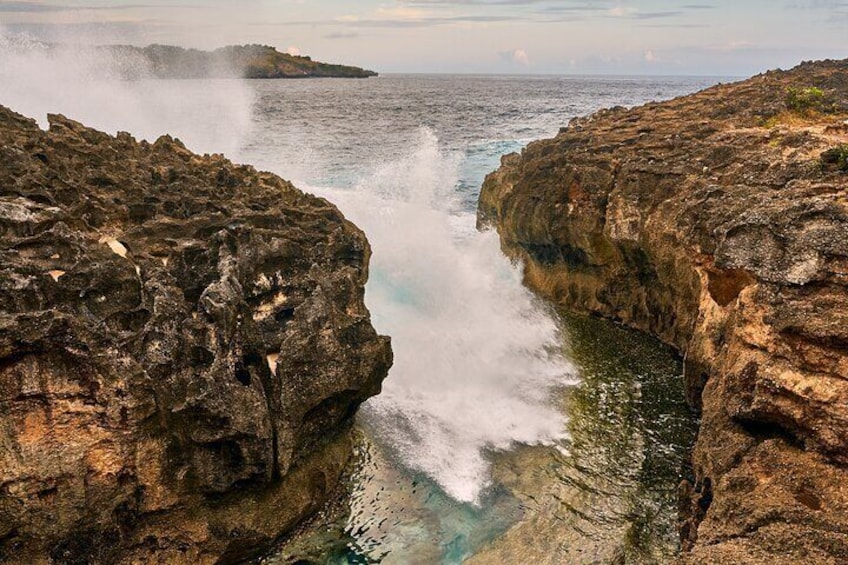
[497, 405]
[481, 366]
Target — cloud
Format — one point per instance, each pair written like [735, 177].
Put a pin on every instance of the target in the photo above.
[399, 18]
[427, 21]
[520, 56]
[835, 11]
[675, 26]
[539, 11]
[819, 4]
[636, 14]
[491, 3]
[341, 35]
[402, 13]
[126, 31]
[515, 57]
[656, 15]
[42, 8]
[293, 50]
[650, 56]
[619, 11]
[31, 7]
[731, 46]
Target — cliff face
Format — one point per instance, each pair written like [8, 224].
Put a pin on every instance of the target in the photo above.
[183, 345]
[719, 223]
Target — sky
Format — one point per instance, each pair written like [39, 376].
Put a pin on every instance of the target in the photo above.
[653, 37]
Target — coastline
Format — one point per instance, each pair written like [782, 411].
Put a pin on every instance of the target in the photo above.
[712, 221]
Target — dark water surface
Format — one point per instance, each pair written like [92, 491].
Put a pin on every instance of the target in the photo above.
[333, 132]
[609, 494]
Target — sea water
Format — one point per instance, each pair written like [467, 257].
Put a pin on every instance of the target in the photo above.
[479, 434]
[501, 422]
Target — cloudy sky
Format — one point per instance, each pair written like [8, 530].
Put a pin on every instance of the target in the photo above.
[716, 37]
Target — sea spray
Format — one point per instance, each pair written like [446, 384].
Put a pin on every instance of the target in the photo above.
[475, 355]
[112, 90]
[330, 133]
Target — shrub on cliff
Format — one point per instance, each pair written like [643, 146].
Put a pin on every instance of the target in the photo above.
[836, 157]
[810, 100]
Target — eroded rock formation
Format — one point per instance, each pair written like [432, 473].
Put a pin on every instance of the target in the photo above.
[183, 345]
[719, 223]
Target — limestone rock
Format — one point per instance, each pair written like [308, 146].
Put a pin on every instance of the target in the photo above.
[719, 223]
[183, 345]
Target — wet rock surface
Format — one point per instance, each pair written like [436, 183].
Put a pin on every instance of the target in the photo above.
[183, 345]
[719, 223]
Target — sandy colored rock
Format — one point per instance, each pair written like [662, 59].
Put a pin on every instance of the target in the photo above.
[719, 223]
[142, 290]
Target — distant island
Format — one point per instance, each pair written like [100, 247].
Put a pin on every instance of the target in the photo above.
[247, 61]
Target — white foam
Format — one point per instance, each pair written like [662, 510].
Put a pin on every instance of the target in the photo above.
[475, 354]
[473, 363]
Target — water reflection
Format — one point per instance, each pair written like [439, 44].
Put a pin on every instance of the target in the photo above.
[606, 495]
[390, 515]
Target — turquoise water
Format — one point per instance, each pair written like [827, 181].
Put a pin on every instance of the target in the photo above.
[392, 515]
[606, 493]
[502, 425]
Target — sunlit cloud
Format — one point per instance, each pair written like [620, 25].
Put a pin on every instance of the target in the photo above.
[515, 57]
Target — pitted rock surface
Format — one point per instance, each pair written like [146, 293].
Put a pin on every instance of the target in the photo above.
[183, 345]
[719, 223]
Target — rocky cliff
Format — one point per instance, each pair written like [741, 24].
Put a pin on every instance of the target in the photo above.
[247, 61]
[183, 345]
[719, 223]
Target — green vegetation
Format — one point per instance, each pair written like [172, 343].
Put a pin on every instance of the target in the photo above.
[836, 157]
[805, 99]
[803, 105]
